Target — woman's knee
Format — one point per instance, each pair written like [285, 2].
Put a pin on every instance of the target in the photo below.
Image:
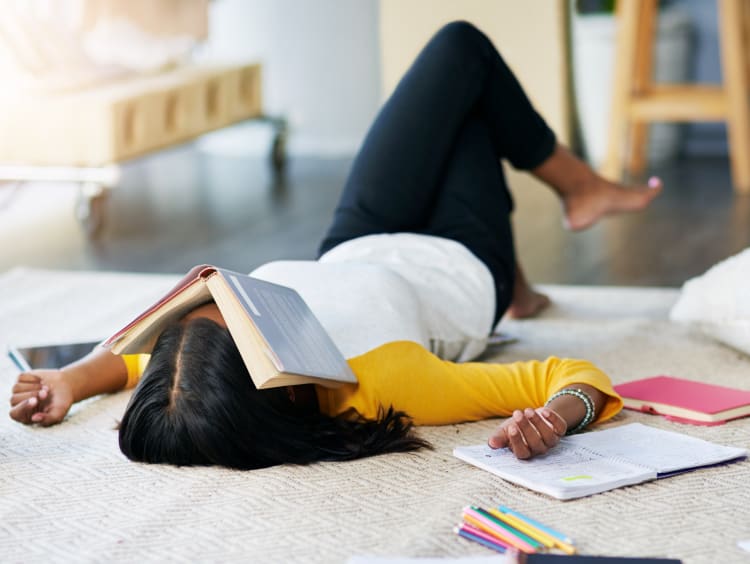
[462, 35]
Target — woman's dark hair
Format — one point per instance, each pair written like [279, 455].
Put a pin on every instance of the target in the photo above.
[196, 405]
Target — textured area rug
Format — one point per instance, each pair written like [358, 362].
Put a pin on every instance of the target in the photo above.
[67, 494]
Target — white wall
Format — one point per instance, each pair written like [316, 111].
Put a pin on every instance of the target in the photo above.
[321, 68]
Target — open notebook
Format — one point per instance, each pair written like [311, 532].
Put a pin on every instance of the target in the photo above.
[598, 461]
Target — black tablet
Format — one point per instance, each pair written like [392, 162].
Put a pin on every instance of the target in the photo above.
[49, 356]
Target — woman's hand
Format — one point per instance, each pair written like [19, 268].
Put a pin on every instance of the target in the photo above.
[41, 396]
[45, 396]
[529, 432]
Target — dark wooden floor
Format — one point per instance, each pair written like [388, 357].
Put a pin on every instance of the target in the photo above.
[183, 207]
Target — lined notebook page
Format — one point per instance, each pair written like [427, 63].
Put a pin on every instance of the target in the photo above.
[567, 471]
[664, 451]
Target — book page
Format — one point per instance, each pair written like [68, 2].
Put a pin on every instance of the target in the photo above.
[294, 335]
[568, 471]
[602, 460]
[140, 335]
[663, 451]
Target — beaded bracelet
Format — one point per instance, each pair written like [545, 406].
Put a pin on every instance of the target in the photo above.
[587, 401]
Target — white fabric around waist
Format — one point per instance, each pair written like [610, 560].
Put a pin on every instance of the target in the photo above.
[381, 288]
[362, 306]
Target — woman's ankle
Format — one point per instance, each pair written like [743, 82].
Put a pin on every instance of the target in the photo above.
[565, 173]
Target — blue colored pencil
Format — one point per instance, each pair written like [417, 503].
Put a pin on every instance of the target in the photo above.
[537, 524]
[467, 535]
[510, 528]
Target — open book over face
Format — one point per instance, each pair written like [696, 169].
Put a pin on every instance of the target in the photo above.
[279, 338]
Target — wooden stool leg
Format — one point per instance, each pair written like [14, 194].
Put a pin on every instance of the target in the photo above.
[627, 33]
[734, 67]
[642, 79]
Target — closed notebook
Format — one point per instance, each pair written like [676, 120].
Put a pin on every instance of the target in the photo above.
[585, 559]
[685, 401]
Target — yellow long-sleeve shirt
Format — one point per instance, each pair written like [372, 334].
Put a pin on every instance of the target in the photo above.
[432, 391]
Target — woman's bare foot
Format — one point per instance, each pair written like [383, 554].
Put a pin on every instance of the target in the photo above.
[593, 200]
[586, 196]
[526, 301]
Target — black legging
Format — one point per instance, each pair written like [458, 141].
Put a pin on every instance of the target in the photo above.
[431, 161]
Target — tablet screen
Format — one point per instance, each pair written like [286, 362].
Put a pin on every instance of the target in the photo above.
[50, 356]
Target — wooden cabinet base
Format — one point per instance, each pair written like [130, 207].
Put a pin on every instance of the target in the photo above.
[128, 118]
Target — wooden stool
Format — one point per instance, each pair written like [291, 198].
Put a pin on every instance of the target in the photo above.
[636, 100]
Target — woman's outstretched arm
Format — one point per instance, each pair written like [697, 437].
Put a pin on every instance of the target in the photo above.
[436, 392]
[530, 431]
[45, 396]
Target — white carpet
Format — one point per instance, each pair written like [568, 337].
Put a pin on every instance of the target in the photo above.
[67, 494]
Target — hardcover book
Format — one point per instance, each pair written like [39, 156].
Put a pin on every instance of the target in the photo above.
[685, 401]
[279, 338]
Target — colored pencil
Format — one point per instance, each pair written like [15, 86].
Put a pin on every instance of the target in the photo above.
[469, 520]
[536, 524]
[481, 522]
[472, 533]
[513, 530]
[541, 537]
[550, 531]
[481, 541]
[548, 540]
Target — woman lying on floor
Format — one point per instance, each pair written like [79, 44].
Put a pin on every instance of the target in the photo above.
[414, 273]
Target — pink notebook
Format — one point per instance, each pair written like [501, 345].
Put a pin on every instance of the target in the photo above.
[685, 401]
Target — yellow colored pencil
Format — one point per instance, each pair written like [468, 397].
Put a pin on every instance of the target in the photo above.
[536, 534]
[546, 539]
[503, 536]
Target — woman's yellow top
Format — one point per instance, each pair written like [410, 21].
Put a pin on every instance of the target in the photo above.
[432, 391]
